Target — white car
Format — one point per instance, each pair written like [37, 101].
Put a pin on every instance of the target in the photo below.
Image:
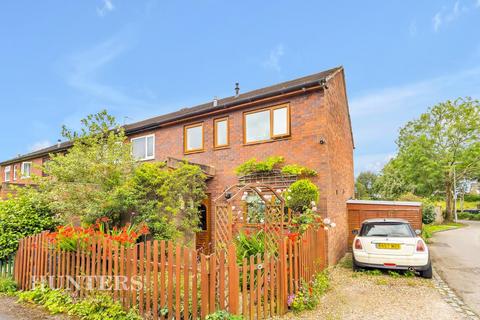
[390, 244]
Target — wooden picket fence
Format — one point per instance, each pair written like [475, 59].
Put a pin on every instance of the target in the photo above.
[167, 281]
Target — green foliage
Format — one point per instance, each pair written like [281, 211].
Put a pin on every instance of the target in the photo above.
[428, 212]
[98, 306]
[297, 170]
[249, 244]
[255, 208]
[21, 216]
[101, 306]
[167, 200]
[301, 222]
[469, 216]
[429, 230]
[444, 139]
[391, 183]
[81, 181]
[472, 197]
[253, 165]
[7, 286]
[301, 194]
[365, 185]
[308, 297]
[223, 315]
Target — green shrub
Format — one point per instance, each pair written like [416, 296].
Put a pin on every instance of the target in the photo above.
[428, 212]
[301, 195]
[223, 315]
[472, 197]
[98, 306]
[253, 165]
[249, 244]
[7, 285]
[22, 216]
[295, 169]
[469, 216]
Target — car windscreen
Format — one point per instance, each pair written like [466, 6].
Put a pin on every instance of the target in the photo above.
[386, 229]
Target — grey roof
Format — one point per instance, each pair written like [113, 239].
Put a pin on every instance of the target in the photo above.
[383, 202]
[301, 83]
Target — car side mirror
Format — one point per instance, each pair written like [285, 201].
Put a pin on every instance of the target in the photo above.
[355, 232]
[418, 232]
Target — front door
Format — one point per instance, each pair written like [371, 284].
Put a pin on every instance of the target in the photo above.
[202, 239]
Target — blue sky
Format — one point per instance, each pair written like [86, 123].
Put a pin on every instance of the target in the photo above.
[61, 60]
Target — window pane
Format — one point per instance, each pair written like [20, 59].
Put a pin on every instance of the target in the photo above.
[221, 134]
[150, 146]
[257, 126]
[138, 148]
[194, 138]
[280, 121]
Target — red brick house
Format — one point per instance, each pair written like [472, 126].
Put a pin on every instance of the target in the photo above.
[305, 120]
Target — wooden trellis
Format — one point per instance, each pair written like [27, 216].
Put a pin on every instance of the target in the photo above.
[231, 213]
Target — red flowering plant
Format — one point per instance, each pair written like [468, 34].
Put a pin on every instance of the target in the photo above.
[69, 238]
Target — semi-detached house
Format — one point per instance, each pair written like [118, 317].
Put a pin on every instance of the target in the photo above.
[305, 120]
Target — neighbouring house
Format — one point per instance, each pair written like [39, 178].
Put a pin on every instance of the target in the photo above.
[305, 120]
[475, 188]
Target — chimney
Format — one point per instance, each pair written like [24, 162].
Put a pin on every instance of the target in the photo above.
[215, 101]
[237, 89]
[58, 143]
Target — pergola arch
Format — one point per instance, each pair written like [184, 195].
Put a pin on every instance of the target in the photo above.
[232, 213]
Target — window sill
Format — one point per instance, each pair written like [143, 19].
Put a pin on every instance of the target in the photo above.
[146, 159]
[194, 151]
[267, 141]
[221, 148]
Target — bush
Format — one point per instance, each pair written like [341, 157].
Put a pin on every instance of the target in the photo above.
[301, 194]
[472, 197]
[428, 212]
[469, 216]
[98, 306]
[22, 216]
[252, 165]
[297, 170]
[249, 245]
[7, 285]
[223, 315]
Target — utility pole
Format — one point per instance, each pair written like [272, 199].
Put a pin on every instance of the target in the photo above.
[455, 194]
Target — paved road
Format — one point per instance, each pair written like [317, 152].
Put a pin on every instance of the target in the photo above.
[456, 257]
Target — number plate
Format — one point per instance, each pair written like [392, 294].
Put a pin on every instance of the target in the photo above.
[394, 246]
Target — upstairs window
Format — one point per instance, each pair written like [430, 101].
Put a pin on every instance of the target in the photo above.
[193, 138]
[266, 124]
[26, 169]
[143, 148]
[221, 133]
[7, 173]
[14, 172]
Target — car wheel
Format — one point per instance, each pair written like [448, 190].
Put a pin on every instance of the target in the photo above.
[427, 273]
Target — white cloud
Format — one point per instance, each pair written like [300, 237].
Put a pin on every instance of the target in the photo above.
[445, 16]
[39, 145]
[273, 60]
[477, 4]
[107, 6]
[371, 162]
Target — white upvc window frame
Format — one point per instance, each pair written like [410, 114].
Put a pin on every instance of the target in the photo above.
[146, 146]
[15, 173]
[22, 170]
[9, 171]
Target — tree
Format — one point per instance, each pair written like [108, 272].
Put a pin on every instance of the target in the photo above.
[81, 181]
[365, 185]
[441, 148]
[390, 183]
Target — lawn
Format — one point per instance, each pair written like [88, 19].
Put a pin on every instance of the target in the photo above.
[429, 229]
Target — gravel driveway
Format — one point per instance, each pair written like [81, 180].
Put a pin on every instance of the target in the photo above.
[365, 296]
